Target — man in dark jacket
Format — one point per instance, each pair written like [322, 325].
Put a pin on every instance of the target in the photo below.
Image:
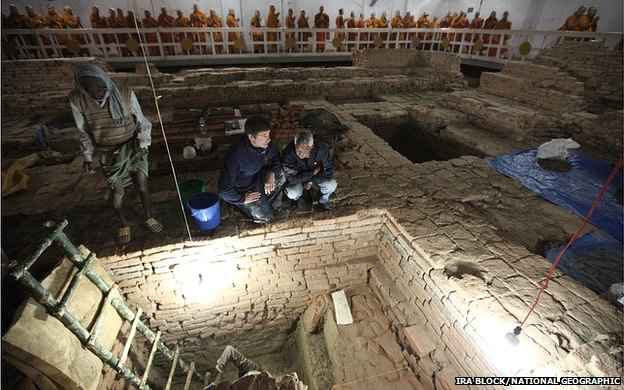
[307, 163]
[252, 177]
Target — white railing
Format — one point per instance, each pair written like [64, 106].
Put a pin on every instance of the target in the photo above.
[122, 45]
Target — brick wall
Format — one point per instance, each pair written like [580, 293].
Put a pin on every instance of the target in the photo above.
[259, 283]
[443, 67]
[598, 67]
[451, 315]
[42, 86]
[535, 85]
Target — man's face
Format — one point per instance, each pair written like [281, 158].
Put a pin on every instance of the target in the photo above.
[303, 151]
[261, 139]
[96, 91]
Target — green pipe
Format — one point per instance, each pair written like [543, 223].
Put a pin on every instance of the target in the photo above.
[74, 254]
[48, 301]
[73, 286]
[24, 266]
[76, 257]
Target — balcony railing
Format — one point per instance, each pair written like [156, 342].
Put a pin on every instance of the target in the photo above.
[162, 44]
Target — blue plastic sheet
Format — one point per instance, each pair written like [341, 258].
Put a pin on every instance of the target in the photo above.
[595, 260]
[575, 190]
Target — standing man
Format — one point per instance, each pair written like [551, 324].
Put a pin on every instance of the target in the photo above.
[183, 22]
[53, 18]
[167, 21]
[256, 22]
[289, 22]
[110, 121]
[302, 22]
[308, 163]
[252, 177]
[272, 22]
[232, 22]
[321, 20]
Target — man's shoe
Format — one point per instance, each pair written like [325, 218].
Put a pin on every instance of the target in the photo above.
[281, 213]
[327, 206]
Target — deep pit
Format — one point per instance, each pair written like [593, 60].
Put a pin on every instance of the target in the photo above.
[417, 144]
[447, 250]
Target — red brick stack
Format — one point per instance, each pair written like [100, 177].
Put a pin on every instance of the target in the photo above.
[285, 121]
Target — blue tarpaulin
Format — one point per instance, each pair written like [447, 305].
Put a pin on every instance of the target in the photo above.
[595, 260]
[575, 190]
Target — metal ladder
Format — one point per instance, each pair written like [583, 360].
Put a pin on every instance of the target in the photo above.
[19, 271]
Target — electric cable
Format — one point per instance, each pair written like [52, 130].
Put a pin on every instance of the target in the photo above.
[586, 219]
[162, 126]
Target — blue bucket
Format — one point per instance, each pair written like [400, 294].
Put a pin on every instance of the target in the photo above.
[205, 209]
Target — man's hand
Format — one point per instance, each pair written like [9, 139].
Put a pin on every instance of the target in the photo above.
[269, 185]
[87, 168]
[316, 170]
[251, 197]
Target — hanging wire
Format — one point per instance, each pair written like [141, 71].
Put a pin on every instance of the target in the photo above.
[544, 286]
[162, 126]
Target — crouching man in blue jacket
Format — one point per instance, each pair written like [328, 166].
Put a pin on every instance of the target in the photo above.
[252, 177]
[308, 163]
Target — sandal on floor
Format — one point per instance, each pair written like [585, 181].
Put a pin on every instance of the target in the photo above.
[153, 225]
[123, 235]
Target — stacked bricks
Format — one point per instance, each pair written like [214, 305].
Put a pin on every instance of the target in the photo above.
[444, 68]
[449, 275]
[285, 122]
[453, 277]
[261, 282]
[38, 86]
[599, 67]
[572, 90]
[601, 71]
[48, 95]
[450, 321]
[503, 116]
[535, 85]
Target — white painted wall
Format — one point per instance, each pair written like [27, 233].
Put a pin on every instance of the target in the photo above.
[524, 14]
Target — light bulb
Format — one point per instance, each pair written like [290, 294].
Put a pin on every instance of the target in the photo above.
[511, 338]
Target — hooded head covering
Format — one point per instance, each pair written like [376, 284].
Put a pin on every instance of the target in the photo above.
[89, 74]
